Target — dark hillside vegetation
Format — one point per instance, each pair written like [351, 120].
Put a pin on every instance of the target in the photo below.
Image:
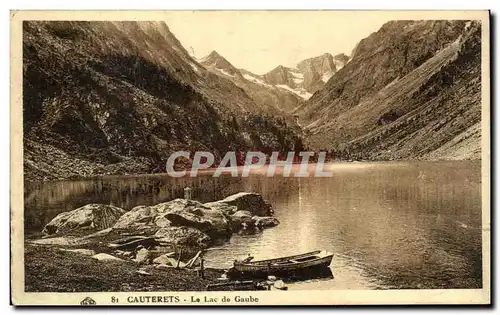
[119, 97]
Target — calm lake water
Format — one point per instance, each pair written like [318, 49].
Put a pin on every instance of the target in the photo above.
[390, 225]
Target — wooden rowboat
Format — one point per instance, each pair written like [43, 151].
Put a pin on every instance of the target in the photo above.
[283, 265]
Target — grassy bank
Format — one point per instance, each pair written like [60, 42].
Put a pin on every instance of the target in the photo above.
[49, 269]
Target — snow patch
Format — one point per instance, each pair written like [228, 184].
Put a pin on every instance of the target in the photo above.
[298, 77]
[195, 68]
[326, 76]
[339, 64]
[225, 72]
[300, 92]
[255, 80]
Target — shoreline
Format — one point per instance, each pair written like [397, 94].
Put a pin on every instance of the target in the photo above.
[105, 175]
[49, 269]
[153, 248]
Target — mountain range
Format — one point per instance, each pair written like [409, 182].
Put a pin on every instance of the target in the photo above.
[119, 97]
[283, 88]
[303, 80]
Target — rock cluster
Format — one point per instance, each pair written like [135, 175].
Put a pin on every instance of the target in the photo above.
[180, 223]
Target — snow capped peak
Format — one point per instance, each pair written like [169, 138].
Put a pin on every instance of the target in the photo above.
[218, 63]
[307, 76]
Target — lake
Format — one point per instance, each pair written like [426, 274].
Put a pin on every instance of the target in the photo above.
[390, 224]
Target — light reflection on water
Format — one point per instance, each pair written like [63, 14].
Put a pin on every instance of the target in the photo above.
[390, 225]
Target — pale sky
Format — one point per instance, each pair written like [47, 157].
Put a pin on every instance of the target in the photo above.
[259, 41]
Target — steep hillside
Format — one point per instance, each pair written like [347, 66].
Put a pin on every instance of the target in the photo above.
[411, 90]
[119, 97]
[268, 98]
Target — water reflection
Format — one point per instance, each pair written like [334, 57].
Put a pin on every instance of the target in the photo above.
[390, 225]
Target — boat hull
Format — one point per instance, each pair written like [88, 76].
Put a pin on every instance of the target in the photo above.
[305, 264]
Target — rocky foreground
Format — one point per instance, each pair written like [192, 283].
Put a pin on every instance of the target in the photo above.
[150, 242]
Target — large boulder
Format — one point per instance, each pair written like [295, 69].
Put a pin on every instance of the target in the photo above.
[138, 218]
[183, 236]
[249, 201]
[208, 220]
[84, 220]
[150, 218]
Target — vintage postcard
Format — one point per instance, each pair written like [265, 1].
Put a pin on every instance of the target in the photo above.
[250, 157]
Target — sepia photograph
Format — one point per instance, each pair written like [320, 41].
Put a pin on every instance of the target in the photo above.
[250, 157]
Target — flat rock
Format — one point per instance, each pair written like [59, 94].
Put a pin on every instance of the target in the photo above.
[164, 259]
[106, 257]
[169, 261]
[83, 251]
[60, 241]
[143, 256]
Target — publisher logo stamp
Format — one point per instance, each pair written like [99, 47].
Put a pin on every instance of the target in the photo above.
[88, 301]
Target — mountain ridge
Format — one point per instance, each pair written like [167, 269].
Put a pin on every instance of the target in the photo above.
[373, 107]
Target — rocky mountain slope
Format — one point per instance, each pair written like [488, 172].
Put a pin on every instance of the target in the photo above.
[308, 76]
[268, 97]
[219, 63]
[318, 70]
[411, 90]
[119, 97]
